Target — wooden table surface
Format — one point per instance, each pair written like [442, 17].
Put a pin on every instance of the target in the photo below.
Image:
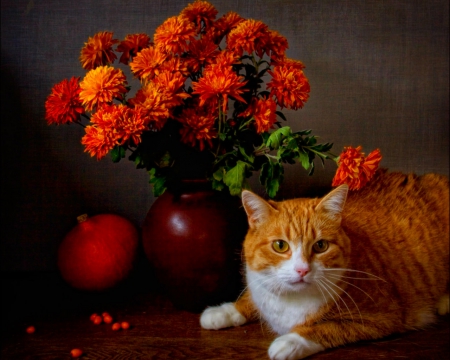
[158, 330]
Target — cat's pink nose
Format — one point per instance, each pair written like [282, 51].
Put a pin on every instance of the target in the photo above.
[302, 271]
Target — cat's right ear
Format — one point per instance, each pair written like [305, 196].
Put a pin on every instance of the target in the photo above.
[257, 209]
[333, 203]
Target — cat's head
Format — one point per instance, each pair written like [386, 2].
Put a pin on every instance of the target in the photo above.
[291, 242]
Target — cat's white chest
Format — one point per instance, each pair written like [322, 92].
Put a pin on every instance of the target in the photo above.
[283, 312]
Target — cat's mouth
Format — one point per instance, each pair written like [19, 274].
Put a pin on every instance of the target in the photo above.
[299, 281]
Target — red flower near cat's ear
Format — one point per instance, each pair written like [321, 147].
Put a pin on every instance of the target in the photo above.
[355, 169]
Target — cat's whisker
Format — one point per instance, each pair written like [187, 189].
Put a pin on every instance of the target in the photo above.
[357, 307]
[349, 283]
[323, 295]
[350, 277]
[340, 297]
[352, 270]
[326, 287]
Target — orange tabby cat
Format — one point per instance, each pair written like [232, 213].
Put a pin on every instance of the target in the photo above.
[351, 266]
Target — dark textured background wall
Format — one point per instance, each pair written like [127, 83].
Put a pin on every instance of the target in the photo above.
[378, 72]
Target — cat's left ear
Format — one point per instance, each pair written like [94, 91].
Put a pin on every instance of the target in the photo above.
[257, 209]
[333, 203]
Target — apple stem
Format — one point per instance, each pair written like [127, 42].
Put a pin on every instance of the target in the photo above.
[82, 218]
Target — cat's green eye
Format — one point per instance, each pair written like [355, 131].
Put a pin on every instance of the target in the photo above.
[280, 246]
[320, 246]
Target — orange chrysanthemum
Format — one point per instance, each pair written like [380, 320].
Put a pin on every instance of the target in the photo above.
[158, 98]
[354, 169]
[98, 50]
[223, 26]
[147, 63]
[277, 45]
[113, 125]
[126, 123]
[63, 105]
[248, 36]
[289, 85]
[132, 45]
[200, 12]
[201, 52]
[198, 127]
[174, 34]
[98, 141]
[226, 58]
[175, 64]
[264, 113]
[102, 85]
[288, 62]
[219, 82]
[172, 83]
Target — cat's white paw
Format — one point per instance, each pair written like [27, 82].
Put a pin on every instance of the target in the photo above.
[219, 317]
[292, 347]
[443, 305]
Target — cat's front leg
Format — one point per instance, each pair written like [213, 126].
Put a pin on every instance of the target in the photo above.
[223, 316]
[229, 314]
[293, 347]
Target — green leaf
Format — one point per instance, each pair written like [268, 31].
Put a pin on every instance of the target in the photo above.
[249, 158]
[117, 153]
[218, 174]
[311, 172]
[271, 176]
[266, 173]
[281, 115]
[276, 138]
[234, 178]
[158, 182]
[303, 132]
[304, 159]
[217, 185]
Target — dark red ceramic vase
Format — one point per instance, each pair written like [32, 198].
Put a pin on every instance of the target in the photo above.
[193, 238]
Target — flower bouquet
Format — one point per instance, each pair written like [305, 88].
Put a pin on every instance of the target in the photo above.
[209, 106]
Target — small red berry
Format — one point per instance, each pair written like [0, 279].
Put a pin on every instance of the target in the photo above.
[125, 325]
[97, 320]
[116, 326]
[30, 329]
[76, 353]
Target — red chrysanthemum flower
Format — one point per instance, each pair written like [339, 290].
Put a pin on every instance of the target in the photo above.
[198, 127]
[98, 50]
[287, 62]
[289, 85]
[124, 122]
[147, 63]
[113, 125]
[200, 53]
[172, 83]
[132, 45]
[175, 64]
[264, 113]
[248, 36]
[200, 12]
[63, 105]
[355, 169]
[174, 34]
[223, 26]
[226, 58]
[219, 82]
[277, 45]
[102, 85]
[98, 141]
[159, 97]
